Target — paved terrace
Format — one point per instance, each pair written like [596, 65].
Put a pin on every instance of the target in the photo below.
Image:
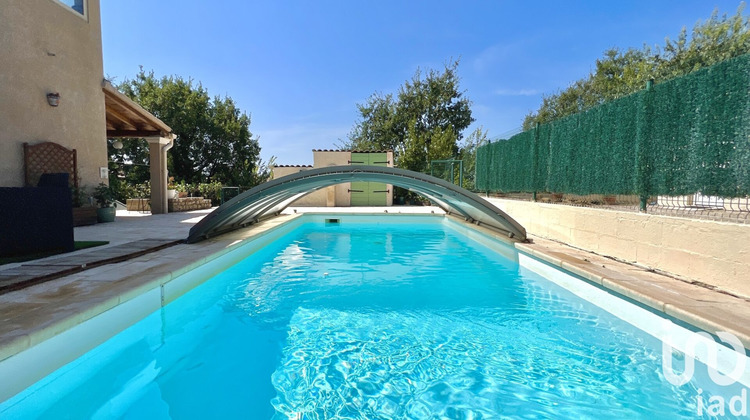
[134, 234]
[36, 313]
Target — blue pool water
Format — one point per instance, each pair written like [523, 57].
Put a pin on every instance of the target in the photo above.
[369, 321]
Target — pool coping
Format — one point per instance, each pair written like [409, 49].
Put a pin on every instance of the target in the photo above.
[707, 309]
[671, 296]
[62, 304]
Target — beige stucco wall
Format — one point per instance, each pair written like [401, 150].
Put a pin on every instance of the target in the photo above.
[279, 171]
[315, 199]
[46, 48]
[339, 193]
[715, 253]
[333, 196]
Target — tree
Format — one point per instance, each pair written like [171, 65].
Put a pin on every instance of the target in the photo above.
[378, 128]
[132, 161]
[619, 73]
[468, 153]
[214, 142]
[424, 123]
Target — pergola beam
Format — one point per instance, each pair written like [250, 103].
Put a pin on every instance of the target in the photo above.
[118, 120]
[139, 116]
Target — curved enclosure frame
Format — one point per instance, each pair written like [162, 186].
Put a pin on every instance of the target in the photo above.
[269, 199]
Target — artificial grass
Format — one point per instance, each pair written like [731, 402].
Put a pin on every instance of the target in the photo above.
[29, 257]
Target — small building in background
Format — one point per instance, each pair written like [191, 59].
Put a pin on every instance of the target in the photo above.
[348, 194]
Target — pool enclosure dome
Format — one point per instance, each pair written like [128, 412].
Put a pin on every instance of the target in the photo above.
[270, 198]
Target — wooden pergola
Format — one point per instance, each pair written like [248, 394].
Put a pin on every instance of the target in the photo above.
[126, 118]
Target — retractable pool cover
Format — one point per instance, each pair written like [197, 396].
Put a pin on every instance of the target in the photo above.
[268, 199]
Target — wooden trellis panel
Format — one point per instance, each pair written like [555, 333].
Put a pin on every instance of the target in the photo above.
[49, 158]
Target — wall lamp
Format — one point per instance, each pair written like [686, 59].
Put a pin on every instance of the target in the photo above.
[53, 99]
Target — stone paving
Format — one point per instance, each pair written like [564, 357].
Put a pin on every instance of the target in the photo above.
[132, 225]
[33, 272]
[129, 227]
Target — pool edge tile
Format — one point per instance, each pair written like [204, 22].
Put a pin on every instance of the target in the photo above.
[626, 282]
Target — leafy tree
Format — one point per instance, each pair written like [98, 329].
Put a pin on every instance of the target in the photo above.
[424, 123]
[620, 73]
[234, 154]
[214, 142]
[468, 153]
[713, 41]
[132, 161]
[378, 129]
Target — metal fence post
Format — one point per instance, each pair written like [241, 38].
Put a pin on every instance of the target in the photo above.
[461, 173]
[642, 147]
[535, 161]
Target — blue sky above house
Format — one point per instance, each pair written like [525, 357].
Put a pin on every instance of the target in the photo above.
[299, 68]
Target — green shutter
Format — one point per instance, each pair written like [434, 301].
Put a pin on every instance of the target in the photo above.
[369, 193]
[358, 190]
[378, 196]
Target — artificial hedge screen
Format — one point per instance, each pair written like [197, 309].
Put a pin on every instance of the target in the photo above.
[689, 134]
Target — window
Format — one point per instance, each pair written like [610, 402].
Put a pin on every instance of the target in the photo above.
[77, 6]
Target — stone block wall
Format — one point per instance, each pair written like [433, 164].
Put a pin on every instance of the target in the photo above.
[188, 204]
[716, 253]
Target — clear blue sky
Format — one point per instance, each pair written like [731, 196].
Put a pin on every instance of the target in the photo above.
[300, 67]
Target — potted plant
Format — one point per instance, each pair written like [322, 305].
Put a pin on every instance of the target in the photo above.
[171, 189]
[105, 198]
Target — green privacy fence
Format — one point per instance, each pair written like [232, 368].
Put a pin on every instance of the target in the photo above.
[687, 135]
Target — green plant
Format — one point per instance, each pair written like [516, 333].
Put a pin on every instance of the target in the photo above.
[213, 125]
[181, 186]
[211, 190]
[124, 190]
[80, 197]
[79, 194]
[104, 195]
[143, 190]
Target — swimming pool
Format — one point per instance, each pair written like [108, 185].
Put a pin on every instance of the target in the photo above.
[347, 316]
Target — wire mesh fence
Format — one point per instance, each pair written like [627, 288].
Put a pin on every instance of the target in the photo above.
[698, 206]
[451, 170]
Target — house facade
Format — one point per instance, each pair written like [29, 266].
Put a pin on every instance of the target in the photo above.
[47, 47]
[52, 90]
